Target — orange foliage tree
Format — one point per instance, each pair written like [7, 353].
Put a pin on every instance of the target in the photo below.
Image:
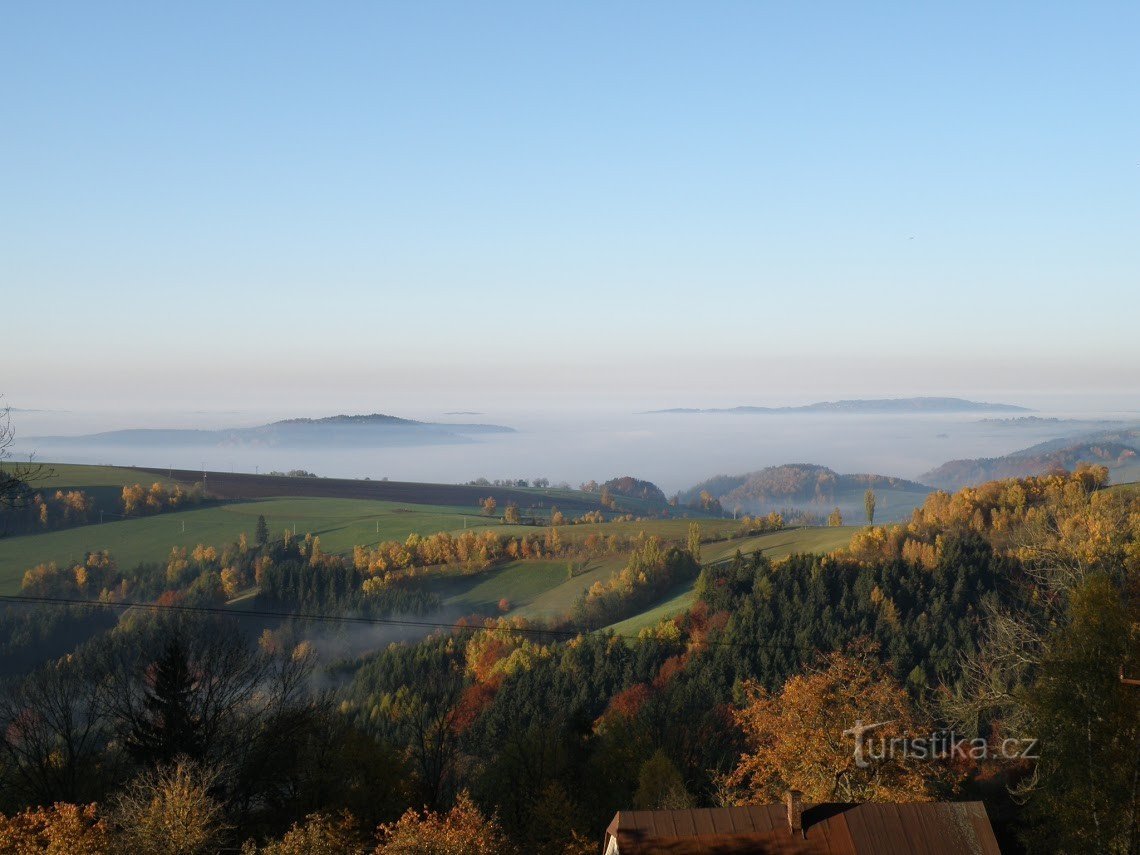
[464, 830]
[801, 737]
[62, 829]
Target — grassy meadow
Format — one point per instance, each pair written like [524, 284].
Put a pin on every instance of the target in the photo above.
[777, 545]
[533, 589]
[340, 523]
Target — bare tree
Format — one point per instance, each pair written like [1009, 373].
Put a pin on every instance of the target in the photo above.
[52, 734]
[15, 478]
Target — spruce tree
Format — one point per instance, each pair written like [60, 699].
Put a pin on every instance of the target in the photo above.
[168, 727]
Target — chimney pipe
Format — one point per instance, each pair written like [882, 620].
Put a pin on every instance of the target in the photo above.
[795, 802]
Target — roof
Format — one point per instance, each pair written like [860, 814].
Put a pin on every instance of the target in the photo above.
[929, 828]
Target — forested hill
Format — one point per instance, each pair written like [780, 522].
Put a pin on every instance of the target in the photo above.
[884, 406]
[1120, 458]
[372, 430]
[798, 485]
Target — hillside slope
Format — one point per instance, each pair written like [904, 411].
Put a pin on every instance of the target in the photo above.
[1120, 459]
[807, 486]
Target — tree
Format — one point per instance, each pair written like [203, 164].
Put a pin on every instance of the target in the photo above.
[169, 724]
[694, 541]
[63, 829]
[660, 786]
[809, 736]
[869, 505]
[15, 478]
[464, 830]
[261, 533]
[511, 514]
[170, 811]
[320, 834]
[489, 504]
[52, 733]
[1085, 793]
[208, 693]
[835, 518]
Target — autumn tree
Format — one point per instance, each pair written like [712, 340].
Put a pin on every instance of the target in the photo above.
[801, 738]
[869, 505]
[319, 834]
[511, 514]
[170, 811]
[835, 518]
[464, 830]
[62, 829]
[694, 541]
[489, 505]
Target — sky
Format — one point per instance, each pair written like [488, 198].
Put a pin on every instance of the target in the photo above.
[421, 206]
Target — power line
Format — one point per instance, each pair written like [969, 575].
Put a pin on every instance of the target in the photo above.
[569, 633]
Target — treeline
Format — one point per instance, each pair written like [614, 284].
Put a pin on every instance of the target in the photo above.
[139, 500]
[44, 511]
[47, 512]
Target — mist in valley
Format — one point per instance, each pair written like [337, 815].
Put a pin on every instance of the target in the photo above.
[674, 450]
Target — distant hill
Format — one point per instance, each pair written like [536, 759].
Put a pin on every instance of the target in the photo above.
[806, 486]
[635, 488]
[359, 431]
[868, 406]
[1115, 449]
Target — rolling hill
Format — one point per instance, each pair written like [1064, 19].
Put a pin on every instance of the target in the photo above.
[806, 486]
[1120, 458]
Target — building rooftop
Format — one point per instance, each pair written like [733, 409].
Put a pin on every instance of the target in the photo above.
[930, 828]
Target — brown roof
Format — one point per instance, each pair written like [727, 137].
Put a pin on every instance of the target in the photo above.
[931, 828]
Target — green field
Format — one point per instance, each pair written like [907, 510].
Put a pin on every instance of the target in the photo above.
[340, 523]
[776, 545]
[534, 588]
[71, 475]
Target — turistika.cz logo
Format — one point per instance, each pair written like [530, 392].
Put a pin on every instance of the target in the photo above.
[944, 745]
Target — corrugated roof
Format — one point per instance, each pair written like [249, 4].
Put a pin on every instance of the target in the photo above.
[930, 828]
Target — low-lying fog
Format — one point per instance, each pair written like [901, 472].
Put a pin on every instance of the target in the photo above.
[673, 450]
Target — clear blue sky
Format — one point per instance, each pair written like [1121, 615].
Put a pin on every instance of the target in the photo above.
[401, 204]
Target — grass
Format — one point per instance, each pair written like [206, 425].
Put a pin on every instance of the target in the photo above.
[340, 523]
[74, 476]
[776, 545]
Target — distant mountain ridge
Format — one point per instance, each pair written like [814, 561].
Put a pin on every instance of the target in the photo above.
[358, 431]
[867, 405]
